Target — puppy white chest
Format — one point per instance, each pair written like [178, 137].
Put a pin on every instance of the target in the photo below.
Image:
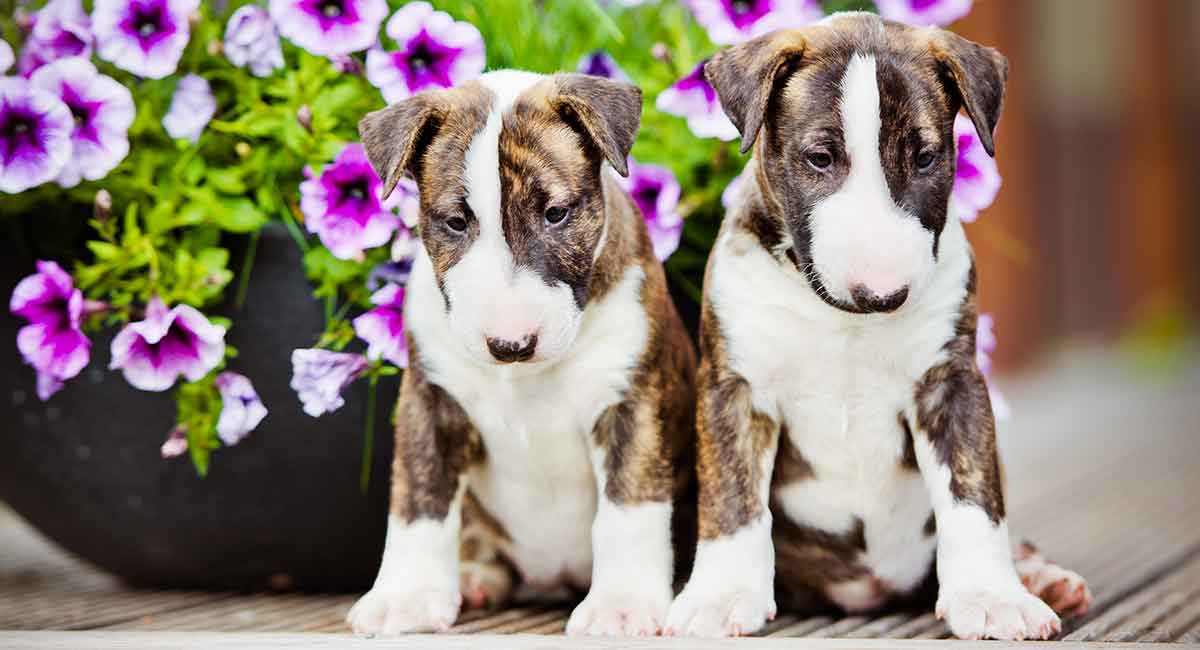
[536, 421]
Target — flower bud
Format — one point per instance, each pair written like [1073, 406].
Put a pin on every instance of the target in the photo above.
[102, 205]
[304, 116]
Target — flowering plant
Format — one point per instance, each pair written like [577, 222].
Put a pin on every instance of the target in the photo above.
[178, 124]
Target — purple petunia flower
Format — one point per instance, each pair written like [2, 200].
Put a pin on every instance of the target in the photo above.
[396, 270]
[729, 22]
[35, 135]
[251, 40]
[601, 64]
[6, 56]
[693, 98]
[343, 207]
[241, 408]
[985, 347]
[383, 327]
[319, 377]
[435, 52]
[154, 352]
[329, 27]
[732, 194]
[103, 110]
[192, 107]
[61, 29]
[53, 341]
[145, 37]
[176, 443]
[976, 176]
[656, 193]
[923, 12]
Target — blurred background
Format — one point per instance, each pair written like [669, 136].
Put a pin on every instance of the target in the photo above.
[1093, 237]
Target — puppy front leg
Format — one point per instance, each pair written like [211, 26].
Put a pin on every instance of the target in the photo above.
[632, 558]
[731, 589]
[979, 592]
[417, 589]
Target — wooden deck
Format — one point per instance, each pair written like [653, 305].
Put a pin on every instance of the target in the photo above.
[1104, 475]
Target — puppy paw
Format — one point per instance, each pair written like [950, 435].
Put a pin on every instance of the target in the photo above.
[729, 612]
[619, 614]
[1006, 614]
[1065, 591]
[403, 610]
[484, 584]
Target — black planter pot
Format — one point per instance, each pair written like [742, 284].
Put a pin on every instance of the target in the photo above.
[283, 507]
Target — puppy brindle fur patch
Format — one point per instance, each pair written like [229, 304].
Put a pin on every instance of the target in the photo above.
[435, 444]
[955, 412]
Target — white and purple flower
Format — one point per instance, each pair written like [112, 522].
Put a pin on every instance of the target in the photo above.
[695, 99]
[251, 41]
[731, 196]
[601, 64]
[145, 37]
[35, 135]
[61, 29]
[383, 327]
[241, 408]
[102, 109]
[656, 192]
[169, 343]
[435, 52]
[729, 22]
[6, 56]
[923, 13]
[976, 175]
[319, 377]
[396, 270]
[53, 342]
[192, 107]
[985, 347]
[343, 205]
[329, 27]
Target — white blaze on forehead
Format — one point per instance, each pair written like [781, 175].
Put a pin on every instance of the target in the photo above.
[860, 235]
[488, 296]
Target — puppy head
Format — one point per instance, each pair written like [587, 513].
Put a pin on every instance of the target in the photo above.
[512, 211]
[854, 119]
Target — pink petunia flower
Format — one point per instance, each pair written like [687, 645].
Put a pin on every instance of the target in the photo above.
[170, 343]
[695, 99]
[923, 13]
[382, 328]
[976, 176]
[241, 408]
[251, 41]
[329, 27]
[601, 64]
[729, 22]
[319, 377]
[53, 342]
[343, 205]
[435, 52]
[192, 107]
[145, 37]
[656, 192]
[103, 110]
[35, 135]
[61, 29]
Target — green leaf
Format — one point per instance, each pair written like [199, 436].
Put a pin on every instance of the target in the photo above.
[227, 180]
[238, 215]
[104, 251]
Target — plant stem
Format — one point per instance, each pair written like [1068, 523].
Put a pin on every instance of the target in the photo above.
[294, 228]
[364, 480]
[247, 266]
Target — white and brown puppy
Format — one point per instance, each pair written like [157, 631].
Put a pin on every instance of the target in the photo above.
[546, 420]
[840, 408]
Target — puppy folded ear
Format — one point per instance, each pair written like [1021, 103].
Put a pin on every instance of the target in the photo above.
[394, 137]
[977, 74]
[609, 112]
[746, 75]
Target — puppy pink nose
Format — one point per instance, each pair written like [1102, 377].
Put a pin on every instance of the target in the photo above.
[868, 301]
[506, 351]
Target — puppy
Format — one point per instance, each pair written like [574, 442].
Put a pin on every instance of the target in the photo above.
[546, 419]
[840, 409]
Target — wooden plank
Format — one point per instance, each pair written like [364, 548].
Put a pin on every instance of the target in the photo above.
[1132, 611]
[218, 641]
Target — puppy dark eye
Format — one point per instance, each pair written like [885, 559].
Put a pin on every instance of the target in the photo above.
[925, 160]
[819, 160]
[556, 215]
[457, 224]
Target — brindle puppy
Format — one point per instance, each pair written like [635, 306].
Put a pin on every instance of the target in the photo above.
[840, 407]
[545, 423]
